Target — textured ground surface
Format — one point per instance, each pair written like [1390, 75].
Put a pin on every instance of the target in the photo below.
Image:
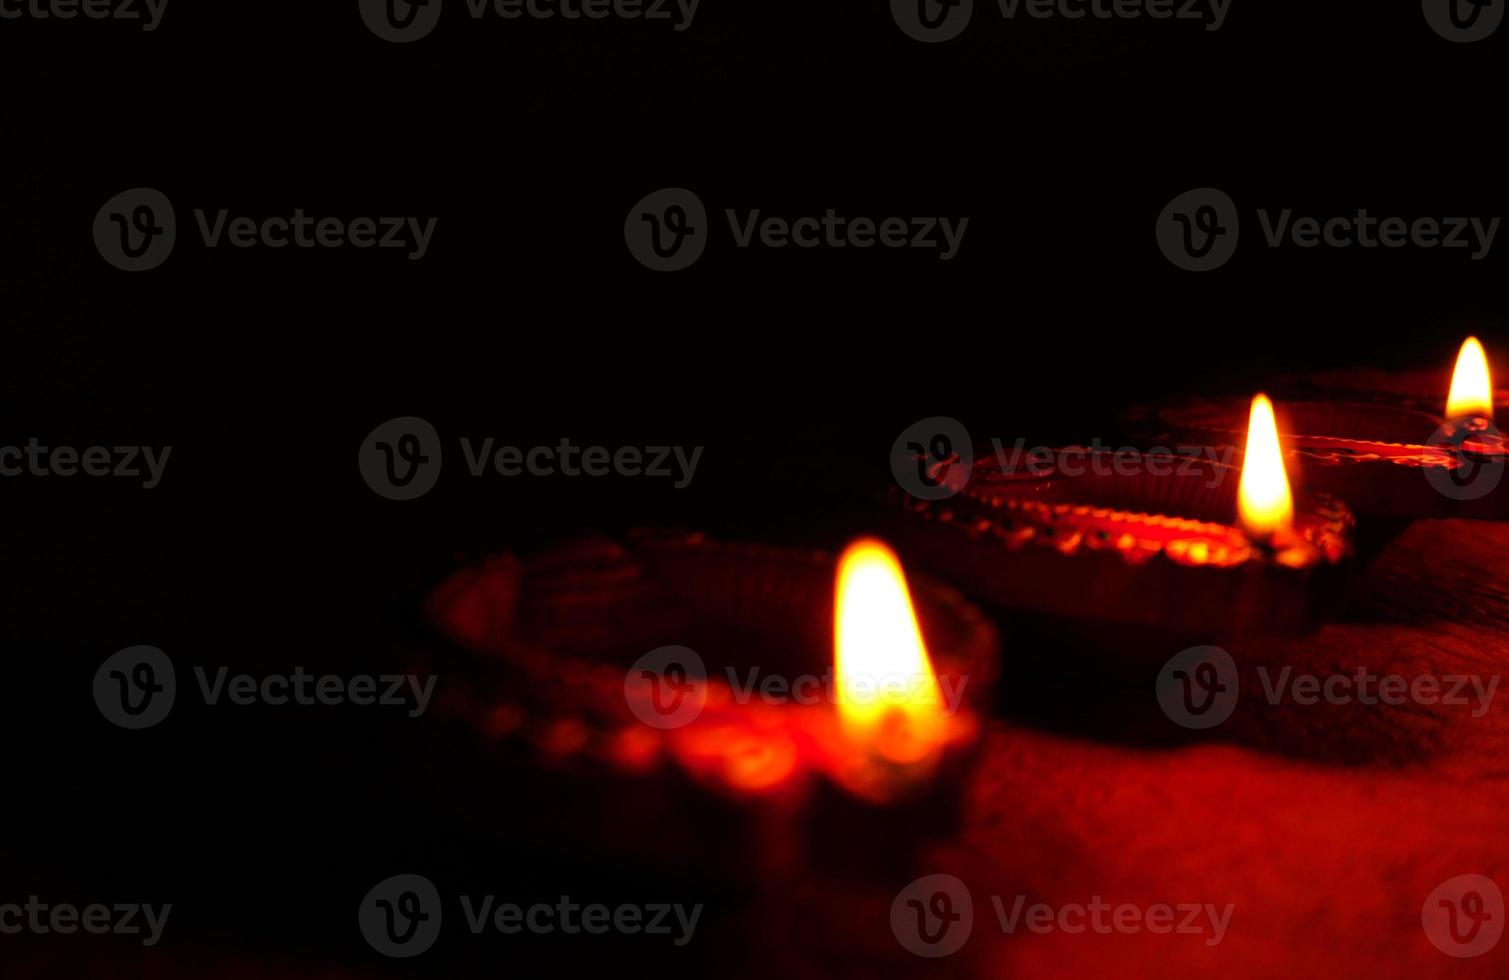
[1326, 826]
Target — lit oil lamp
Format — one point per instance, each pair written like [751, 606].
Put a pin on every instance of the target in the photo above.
[1386, 457]
[891, 739]
[683, 747]
[1264, 498]
[1172, 543]
[1471, 393]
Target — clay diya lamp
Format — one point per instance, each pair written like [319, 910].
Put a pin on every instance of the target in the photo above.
[740, 712]
[1171, 544]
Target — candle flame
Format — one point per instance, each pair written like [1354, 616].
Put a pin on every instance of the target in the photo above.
[1471, 387]
[1265, 503]
[887, 694]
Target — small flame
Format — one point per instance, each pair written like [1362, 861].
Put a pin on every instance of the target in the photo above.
[1265, 504]
[887, 694]
[1471, 388]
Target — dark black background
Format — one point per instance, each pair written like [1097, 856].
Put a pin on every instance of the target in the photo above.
[529, 321]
